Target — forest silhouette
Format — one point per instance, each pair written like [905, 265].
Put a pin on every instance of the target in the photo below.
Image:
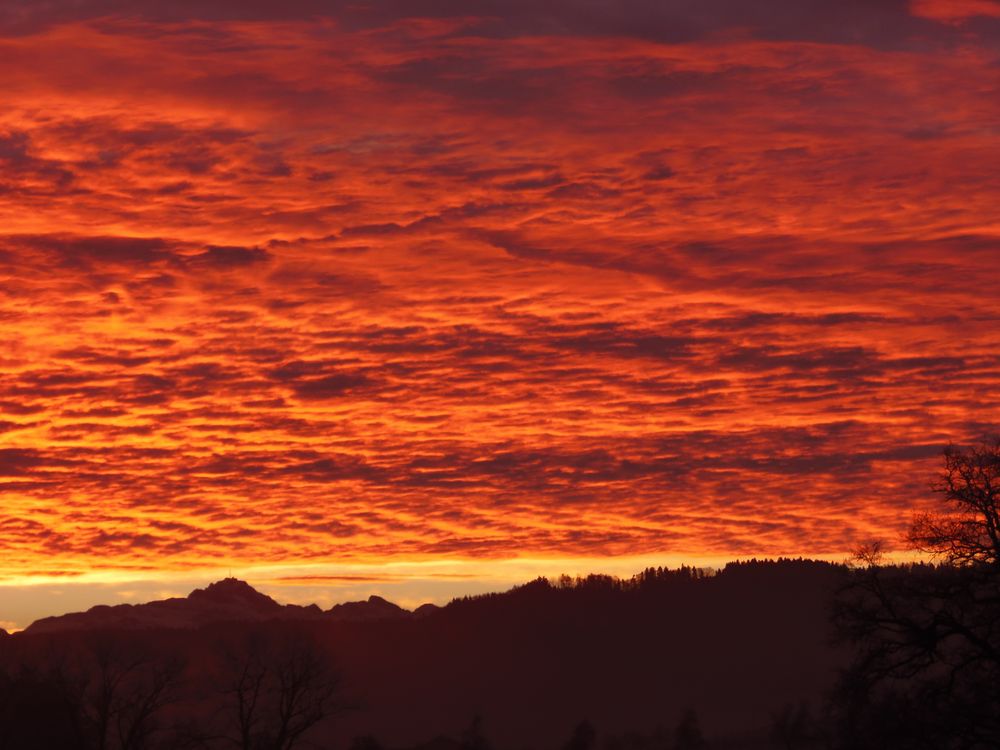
[792, 654]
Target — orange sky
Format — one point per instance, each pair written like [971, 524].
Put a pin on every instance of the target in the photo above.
[329, 284]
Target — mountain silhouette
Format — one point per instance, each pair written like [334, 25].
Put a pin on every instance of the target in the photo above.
[736, 646]
[236, 593]
[376, 608]
[228, 600]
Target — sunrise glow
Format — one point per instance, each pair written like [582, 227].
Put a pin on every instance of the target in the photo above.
[373, 286]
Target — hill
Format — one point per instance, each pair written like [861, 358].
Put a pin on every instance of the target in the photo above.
[737, 647]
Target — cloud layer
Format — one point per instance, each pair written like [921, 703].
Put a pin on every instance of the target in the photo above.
[319, 281]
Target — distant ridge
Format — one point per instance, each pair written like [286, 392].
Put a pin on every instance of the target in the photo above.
[375, 608]
[228, 600]
[737, 645]
[232, 600]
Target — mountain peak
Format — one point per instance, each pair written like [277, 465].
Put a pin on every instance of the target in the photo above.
[230, 584]
[375, 608]
[233, 591]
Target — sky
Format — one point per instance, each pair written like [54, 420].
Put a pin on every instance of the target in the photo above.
[425, 297]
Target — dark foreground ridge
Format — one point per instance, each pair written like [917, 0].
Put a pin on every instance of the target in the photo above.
[228, 600]
[632, 657]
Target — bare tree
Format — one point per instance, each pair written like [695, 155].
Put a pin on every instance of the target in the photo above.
[123, 693]
[278, 689]
[246, 689]
[968, 532]
[108, 691]
[927, 637]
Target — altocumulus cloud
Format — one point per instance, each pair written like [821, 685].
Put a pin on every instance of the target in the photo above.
[494, 279]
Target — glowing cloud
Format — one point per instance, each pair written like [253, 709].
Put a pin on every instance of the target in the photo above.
[423, 281]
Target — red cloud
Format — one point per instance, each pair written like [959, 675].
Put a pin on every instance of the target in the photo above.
[422, 283]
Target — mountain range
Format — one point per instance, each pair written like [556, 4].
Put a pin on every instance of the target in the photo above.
[738, 646]
[228, 600]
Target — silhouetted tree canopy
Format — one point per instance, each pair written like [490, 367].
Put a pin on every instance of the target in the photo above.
[927, 671]
[968, 533]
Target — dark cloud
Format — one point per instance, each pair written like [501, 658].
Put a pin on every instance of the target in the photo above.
[16, 462]
[331, 386]
[877, 23]
[659, 172]
[228, 256]
[17, 160]
[110, 250]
